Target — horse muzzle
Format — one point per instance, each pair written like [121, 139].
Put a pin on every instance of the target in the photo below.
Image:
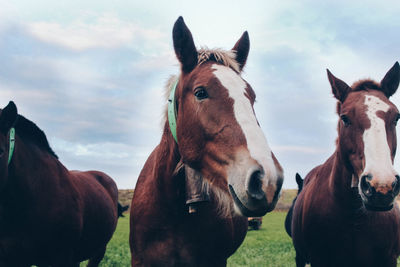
[254, 201]
[377, 196]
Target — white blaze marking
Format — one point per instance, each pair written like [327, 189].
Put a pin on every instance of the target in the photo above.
[244, 114]
[376, 148]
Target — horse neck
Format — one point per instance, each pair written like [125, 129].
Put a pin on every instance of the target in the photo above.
[30, 164]
[340, 179]
[166, 161]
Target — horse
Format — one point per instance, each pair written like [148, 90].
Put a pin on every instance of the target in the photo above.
[121, 209]
[49, 216]
[212, 130]
[288, 219]
[346, 214]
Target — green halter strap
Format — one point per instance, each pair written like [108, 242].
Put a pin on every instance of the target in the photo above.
[12, 144]
[172, 110]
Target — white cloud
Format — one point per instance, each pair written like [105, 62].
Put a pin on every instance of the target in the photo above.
[105, 151]
[119, 160]
[300, 149]
[108, 31]
[8, 13]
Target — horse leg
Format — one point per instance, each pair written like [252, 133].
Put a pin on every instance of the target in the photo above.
[300, 262]
[392, 262]
[66, 265]
[220, 263]
[96, 259]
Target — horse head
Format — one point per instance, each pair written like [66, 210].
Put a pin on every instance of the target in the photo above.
[367, 136]
[216, 128]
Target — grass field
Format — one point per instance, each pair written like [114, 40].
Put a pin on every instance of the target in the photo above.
[269, 246]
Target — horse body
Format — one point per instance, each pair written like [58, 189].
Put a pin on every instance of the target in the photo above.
[49, 215]
[333, 229]
[218, 137]
[346, 214]
[97, 190]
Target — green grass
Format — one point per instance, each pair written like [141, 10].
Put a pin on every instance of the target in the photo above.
[269, 246]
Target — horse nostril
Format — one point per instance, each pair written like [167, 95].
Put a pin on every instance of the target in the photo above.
[365, 185]
[254, 188]
[396, 185]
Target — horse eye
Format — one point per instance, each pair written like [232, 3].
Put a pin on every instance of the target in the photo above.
[201, 93]
[345, 119]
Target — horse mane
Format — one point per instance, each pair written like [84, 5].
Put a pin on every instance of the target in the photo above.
[226, 58]
[365, 85]
[30, 131]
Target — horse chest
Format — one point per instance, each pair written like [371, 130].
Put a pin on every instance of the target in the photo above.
[193, 240]
[208, 234]
[349, 239]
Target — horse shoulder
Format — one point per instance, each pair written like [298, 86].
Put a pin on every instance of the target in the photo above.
[150, 226]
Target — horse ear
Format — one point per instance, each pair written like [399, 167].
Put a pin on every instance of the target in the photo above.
[339, 88]
[299, 181]
[8, 117]
[185, 49]
[390, 82]
[242, 48]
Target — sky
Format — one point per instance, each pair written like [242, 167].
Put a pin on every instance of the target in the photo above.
[91, 73]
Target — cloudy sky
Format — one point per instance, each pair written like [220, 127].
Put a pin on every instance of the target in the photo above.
[90, 74]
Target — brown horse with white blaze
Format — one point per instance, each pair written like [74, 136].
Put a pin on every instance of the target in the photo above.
[346, 214]
[217, 135]
[49, 216]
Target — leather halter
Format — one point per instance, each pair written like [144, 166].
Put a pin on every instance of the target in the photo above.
[197, 190]
[172, 110]
[12, 144]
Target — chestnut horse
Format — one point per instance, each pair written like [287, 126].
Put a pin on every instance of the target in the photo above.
[217, 135]
[346, 214]
[288, 219]
[49, 215]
